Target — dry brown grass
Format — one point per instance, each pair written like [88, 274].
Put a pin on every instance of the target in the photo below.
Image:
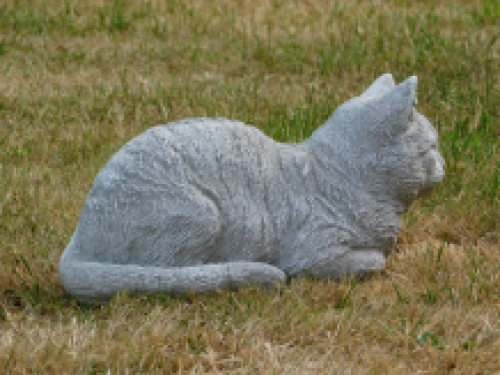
[79, 79]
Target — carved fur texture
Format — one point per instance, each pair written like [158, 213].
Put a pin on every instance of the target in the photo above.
[205, 204]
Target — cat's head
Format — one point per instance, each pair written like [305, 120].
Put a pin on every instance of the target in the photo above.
[385, 144]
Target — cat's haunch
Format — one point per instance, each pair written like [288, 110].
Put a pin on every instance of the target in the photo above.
[204, 204]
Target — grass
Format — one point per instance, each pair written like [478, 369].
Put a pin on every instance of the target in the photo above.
[79, 79]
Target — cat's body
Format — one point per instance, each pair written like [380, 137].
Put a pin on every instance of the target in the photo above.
[202, 204]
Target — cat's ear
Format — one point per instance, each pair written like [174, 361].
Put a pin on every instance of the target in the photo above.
[379, 87]
[382, 112]
[396, 106]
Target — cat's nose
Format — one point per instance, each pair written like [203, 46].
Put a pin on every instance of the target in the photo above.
[441, 160]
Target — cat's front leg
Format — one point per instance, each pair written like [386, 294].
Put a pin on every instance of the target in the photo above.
[325, 251]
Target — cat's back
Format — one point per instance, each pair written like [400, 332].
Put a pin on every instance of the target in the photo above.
[180, 150]
[194, 150]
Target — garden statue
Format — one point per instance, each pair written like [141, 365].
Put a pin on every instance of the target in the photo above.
[206, 204]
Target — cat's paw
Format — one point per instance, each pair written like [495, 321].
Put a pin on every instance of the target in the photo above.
[360, 263]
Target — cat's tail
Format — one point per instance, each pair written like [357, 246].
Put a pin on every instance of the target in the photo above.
[97, 282]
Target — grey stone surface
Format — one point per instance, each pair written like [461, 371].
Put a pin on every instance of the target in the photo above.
[203, 204]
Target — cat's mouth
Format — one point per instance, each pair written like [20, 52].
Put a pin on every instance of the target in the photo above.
[435, 172]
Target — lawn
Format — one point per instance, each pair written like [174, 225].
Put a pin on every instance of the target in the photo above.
[80, 78]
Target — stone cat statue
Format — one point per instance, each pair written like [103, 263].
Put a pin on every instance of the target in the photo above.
[204, 204]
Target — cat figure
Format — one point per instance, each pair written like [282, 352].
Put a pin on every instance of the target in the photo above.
[206, 204]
